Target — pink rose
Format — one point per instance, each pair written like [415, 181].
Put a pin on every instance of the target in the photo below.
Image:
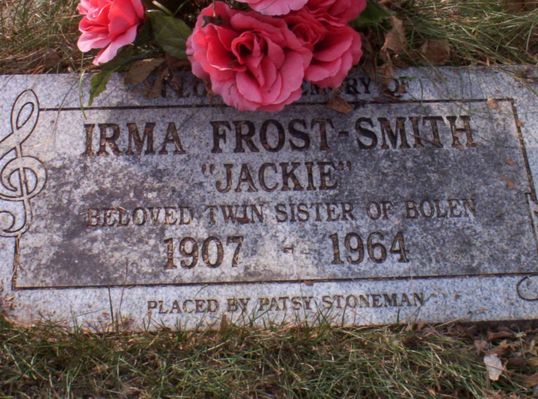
[335, 48]
[336, 11]
[108, 25]
[334, 56]
[275, 7]
[254, 62]
[309, 29]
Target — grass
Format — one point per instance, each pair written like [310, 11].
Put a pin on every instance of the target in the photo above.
[39, 36]
[478, 31]
[303, 362]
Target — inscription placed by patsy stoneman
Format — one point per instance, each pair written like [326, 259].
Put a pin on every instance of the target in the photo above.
[194, 211]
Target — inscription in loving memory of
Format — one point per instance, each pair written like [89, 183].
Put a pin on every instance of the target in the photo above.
[206, 195]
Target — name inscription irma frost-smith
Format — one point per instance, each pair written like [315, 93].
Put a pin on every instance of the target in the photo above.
[199, 195]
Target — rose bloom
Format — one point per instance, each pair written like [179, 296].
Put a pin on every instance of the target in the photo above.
[108, 25]
[336, 48]
[253, 61]
[275, 7]
[336, 12]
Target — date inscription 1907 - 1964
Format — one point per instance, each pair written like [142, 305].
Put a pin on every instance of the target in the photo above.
[289, 137]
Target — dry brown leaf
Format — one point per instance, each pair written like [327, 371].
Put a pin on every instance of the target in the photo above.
[436, 52]
[520, 5]
[514, 5]
[481, 346]
[533, 361]
[492, 103]
[51, 59]
[176, 83]
[366, 42]
[395, 39]
[140, 70]
[494, 367]
[338, 104]
[500, 349]
[156, 88]
[493, 335]
[224, 323]
[531, 380]
[385, 73]
[421, 325]
[175, 63]
[509, 183]
[517, 362]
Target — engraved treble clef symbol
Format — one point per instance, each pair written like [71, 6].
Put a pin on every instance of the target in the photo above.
[527, 288]
[21, 177]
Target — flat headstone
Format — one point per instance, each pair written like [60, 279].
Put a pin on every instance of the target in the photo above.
[418, 205]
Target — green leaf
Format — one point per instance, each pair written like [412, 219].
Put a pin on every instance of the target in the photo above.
[98, 84]
[143, 36]
[373, 15]
[99, 81]
[170, 33]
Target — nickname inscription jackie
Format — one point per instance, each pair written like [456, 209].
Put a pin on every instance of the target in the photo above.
[158, 196]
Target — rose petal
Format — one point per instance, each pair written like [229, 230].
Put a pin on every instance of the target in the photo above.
[109, 52]
[275, 7]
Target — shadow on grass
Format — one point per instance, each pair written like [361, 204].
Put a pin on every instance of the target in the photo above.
[280, 362]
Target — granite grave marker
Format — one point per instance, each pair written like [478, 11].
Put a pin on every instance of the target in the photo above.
[419, 205]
